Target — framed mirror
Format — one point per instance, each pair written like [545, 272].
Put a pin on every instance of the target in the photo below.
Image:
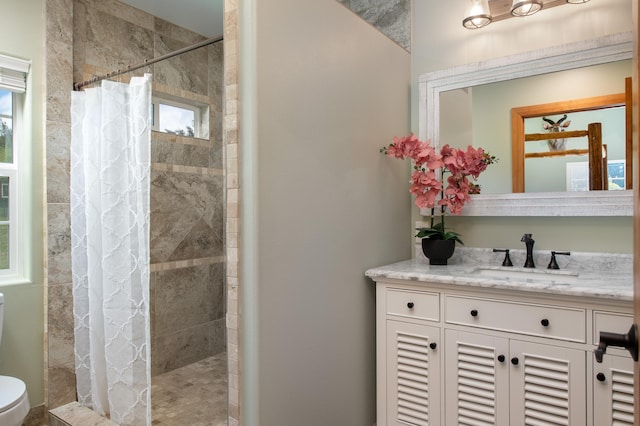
[589, 53]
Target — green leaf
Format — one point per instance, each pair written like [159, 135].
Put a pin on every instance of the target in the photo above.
[437, 233]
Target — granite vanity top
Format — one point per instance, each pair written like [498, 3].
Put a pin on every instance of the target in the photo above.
[581, 274]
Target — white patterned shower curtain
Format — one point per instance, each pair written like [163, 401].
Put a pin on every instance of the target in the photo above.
[110, 165]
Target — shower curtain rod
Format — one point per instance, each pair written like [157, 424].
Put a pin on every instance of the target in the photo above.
[147, 62]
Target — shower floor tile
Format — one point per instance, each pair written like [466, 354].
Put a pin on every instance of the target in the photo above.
[194, 395]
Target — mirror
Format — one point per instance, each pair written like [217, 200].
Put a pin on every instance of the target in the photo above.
[604, 50]
[565, 162]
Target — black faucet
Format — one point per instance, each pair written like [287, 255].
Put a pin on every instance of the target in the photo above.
[553, 263]
[526, 238]
[507, 259]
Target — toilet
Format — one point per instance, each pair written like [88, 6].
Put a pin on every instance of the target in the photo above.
[14, 401]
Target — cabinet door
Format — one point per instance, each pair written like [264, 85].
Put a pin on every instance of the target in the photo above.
[476, 378]
[413, 374]
[613, 391]
[548, 385]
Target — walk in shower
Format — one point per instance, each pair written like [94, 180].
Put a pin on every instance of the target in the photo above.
[187, 219]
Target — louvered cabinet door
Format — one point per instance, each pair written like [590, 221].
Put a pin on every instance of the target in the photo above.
[413, 374]
[476, 379]
[548, 385]
[613, 391]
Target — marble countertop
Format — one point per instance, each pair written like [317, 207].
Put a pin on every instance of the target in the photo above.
[608, 277]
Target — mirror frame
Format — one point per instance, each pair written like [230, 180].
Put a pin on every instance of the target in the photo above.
[597, 51]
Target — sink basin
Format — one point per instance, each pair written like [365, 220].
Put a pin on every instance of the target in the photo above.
[546, 275]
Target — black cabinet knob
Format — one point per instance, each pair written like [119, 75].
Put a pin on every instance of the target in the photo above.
[515, 360]
[545, 322]
[474, 312]
[501, 358]
[410, 305]
[601, 377]
[433, 345]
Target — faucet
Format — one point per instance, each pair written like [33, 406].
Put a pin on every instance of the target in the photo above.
[553, 263]
[507, 259]
[526, 238]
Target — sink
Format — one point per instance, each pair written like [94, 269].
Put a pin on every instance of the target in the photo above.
[502, 273]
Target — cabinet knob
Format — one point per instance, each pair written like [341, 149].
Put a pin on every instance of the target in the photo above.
[545, 322]
[410, 305]
[501, 358]
[515, 360]
[601, 377]
[474, 312]
[433, 345]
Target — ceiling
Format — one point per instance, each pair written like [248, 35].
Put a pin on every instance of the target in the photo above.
[201, 16]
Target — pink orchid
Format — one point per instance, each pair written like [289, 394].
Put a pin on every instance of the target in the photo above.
[425, 184]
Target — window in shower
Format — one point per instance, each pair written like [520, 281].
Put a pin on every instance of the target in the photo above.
[181, 117]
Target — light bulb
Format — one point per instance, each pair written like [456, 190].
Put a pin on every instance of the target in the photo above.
[477, 14]
[525, 7]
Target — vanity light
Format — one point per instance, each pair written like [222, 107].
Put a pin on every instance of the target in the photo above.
[480, 13]
[525, 7]
[477, 14]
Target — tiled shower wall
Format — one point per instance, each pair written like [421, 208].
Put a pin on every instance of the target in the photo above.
[88, 37]
[391, 17]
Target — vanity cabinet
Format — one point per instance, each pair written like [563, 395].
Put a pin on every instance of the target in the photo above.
[456, 355]
[494, 380]
[413, 371]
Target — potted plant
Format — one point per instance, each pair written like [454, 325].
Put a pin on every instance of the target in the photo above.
[460, 167]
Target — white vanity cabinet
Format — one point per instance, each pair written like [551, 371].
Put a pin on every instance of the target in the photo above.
[408, 357]
[500, 381]
[456, 355]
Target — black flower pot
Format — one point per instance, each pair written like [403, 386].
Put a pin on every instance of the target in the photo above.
[438, 251]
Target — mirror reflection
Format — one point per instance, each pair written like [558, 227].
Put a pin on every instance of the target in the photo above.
[553, 150]
[481, 116]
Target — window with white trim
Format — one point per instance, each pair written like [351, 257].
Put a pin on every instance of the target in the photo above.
[13, 74]
[578, 175]
[181, 117]
[8, 176]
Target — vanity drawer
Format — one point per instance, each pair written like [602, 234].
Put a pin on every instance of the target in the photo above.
[413, 304]
[611, 322]
[536, 320]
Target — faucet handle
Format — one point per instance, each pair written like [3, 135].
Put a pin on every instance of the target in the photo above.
[526, 238]
[553, 264]
[507, 259]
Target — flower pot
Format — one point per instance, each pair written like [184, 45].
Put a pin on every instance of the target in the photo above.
[438, 251]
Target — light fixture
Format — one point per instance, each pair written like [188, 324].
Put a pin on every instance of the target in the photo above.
[477, 14]
[480, 13]
[525, 7]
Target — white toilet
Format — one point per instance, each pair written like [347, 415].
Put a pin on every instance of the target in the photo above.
[14, 401]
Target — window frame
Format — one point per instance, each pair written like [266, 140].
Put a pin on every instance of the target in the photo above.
[200, 112]
[11, 170]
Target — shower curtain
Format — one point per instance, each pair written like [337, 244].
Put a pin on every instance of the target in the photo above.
[110, 165]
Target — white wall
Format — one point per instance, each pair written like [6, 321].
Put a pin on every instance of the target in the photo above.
[440, 41]
[322, 91]
[21, 349]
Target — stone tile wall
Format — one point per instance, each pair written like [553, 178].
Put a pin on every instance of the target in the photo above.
[92, 37]
[59, 362]
[231, 130]
[391, 17]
